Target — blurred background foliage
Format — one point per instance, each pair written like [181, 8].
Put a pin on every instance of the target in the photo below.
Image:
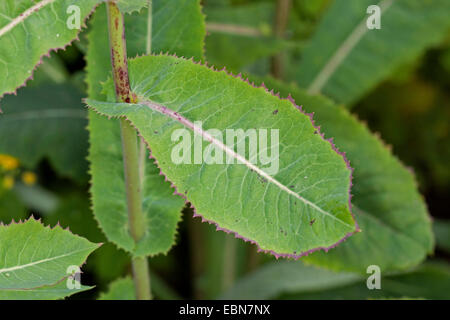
[43, 148]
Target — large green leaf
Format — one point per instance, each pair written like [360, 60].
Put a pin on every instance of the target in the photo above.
[346, 59]
[294, 280]
[301, 207]
[48, 122]
[30, 29]
[396, 229]
[33, 255]
[53, 292]
[182, 22]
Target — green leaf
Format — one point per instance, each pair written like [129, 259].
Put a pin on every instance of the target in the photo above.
[283, 277]
[107, 262]
[396, 229]
[177, 27]
[345, 59]
[11, 207]
[129, 6]
[441, 229]
[239, 36]
[33, 255]
[30, 29]
[48, 121]
[53, 292]
[120, 289]
[181, 20]
[304, 206]
[294, 280]
[430, 280]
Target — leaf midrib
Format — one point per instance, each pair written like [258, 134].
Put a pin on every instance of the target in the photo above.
[188, 124]
[23, 16]
[342, 52]
[23, 266]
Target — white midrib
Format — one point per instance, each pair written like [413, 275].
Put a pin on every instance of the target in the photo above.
[342, 52]
[205, 135]
[23, 266]
[14, 22]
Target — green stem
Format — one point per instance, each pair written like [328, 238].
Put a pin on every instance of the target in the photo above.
[148, 49]
[281, 18]
[136, 218]
[229, 263]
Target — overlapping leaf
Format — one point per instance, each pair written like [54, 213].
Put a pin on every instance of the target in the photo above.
[29, 29]
[304, 206]
[48, 122]
[346, 59]
[180, 21]
[34, 256]
[396, 229]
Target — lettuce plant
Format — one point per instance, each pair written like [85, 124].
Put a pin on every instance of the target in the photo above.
[321, 178]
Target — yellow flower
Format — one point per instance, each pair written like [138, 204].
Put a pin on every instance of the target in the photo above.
[8, 182]
[8, 162]
[29, 178]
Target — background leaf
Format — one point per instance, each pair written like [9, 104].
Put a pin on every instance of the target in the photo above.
[283, 277]
[241, 35]
[345, 59]
[396, 229]
[46, 122]
[30, 29]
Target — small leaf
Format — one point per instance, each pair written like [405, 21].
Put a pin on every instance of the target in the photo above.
[32, 255]
[313, 180]
[129, 6]
[29, 30]
[53, 292]
[48, 122]
[120, 289]
[346, 59]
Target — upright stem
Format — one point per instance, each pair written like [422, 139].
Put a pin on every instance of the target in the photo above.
[281, 18]
[229, 263]
[129, 147]
[148, 50]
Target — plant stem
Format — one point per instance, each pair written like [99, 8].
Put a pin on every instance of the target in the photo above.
[281, 18]
[229, 263]
[148, 50]
[136, 218]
